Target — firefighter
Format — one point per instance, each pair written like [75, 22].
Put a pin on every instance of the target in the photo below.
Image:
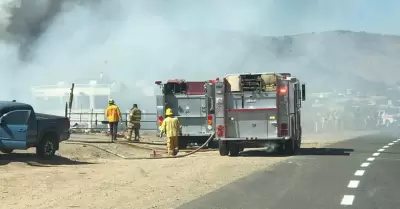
[171, 127]
[113, 115]
[135, 115]
[338, 120]
[323, 121]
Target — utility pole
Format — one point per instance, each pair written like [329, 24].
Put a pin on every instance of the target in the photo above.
[71, 99]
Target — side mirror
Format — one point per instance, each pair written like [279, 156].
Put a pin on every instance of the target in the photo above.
[303, 92]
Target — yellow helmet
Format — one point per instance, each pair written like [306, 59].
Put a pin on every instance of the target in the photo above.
[169, 112]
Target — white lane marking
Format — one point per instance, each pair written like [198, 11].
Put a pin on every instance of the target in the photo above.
[365, 165]
[370, 159]
[395, 141]
[359, 173]
[353, 184]
[347, 200]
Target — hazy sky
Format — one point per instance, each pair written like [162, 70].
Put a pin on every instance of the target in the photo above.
[281, 17]
[124, 38]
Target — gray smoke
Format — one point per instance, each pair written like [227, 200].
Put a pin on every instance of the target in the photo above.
[138, 42]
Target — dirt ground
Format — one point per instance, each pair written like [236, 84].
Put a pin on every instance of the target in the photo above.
[82, 176]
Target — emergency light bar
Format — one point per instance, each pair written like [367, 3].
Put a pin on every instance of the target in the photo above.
[286, 76]
[176, 81]
[214, 81]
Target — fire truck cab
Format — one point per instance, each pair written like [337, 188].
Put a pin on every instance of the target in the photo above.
[193, 103]
[258, 110]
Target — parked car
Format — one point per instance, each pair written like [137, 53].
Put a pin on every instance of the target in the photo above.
[21, 128]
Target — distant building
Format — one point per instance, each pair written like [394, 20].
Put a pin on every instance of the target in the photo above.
[90, 96]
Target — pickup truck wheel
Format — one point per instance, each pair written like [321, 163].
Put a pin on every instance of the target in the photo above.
[6, 150]
[46, 147]
[223, 148]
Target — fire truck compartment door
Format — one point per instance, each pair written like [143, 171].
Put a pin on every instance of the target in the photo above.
[251, 100]
[192, 112]
[259, 100]
[251, 123]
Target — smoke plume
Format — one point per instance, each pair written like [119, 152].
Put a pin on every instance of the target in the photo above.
[137, 42]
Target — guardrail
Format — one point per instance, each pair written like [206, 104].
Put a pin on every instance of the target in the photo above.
[96, 122]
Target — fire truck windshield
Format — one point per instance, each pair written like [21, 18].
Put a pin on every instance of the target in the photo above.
[175, 88]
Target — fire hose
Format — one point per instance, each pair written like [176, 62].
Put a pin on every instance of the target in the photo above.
[144, 158]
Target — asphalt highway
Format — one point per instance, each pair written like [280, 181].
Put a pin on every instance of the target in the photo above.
[360, 173]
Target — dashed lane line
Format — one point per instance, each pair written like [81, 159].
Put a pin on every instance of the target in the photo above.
[365, 165]
[359, 173]
[353, 184]
[347, 200]
[370, 159]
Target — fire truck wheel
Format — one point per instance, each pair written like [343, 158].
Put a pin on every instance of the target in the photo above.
[299, 139]
[182, 142]
[387, 123]
[223, 148]
[234, 150]
[290, 146]
[213, 144]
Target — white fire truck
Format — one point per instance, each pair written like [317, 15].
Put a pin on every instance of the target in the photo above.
[193, 103]
[388, 115]
[257, 109]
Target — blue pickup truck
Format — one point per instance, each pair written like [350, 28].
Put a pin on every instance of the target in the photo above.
[22, 128]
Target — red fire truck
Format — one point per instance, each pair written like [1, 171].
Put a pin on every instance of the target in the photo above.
[193, 103]
[257, 110]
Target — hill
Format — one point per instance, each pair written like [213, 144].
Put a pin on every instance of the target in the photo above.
[349, 55]
[327, 60]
